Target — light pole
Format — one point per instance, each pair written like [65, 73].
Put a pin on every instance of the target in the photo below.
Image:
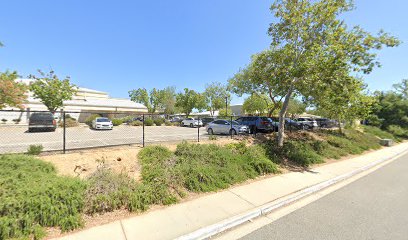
[226, 106]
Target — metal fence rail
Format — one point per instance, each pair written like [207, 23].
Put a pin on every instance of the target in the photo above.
[74, 130]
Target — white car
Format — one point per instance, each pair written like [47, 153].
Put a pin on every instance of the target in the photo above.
[191, 122]
[102, 123]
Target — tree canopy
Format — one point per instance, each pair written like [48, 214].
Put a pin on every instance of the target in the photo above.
[215, 95]
[311, 50]
[155, 100]
[52, 91]
[12, 93]
[188, 100]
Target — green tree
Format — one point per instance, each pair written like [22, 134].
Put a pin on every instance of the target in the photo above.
[188, 100]
[257, 104]
[310, 46]
[52, 91]
[216, 94]
[402, 88]
[296, 107]
[12, 93]
[390, 108]
[156, 99]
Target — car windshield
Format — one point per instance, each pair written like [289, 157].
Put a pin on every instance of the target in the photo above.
[103, 120]
[233, 122]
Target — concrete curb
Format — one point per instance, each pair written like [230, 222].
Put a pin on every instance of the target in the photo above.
[209, 231]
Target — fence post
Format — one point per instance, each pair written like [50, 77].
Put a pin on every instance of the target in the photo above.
[198, 129]
[143, 131]
[63, 133]
[231, 126]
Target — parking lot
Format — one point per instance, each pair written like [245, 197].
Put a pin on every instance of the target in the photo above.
[15, 139]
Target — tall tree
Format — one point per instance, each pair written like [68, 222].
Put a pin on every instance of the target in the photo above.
[402, 88]
[52, 91]
[296, 107]
[156, 99]
[188, 100]
[257, 104]
[309, 45]
[12, 93]
[216, 94]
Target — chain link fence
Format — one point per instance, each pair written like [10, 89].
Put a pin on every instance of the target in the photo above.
[65, 130]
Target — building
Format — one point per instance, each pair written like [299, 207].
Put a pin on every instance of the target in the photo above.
[83, 104]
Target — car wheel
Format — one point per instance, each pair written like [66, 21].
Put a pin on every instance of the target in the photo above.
[233, 132]
[191, 125]
[210, 131]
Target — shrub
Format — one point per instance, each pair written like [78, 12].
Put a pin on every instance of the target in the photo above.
[117, 122]
[158, 121]
[4, 120]
[107, 191]
[33, 196]
[89, 119]
[17, 120]
[397, 131]
[34, 149]
[378, 132]
[69, 122]
[168, 123]
[136, 123]
[212, 138]
[149, 122]
[302, 153]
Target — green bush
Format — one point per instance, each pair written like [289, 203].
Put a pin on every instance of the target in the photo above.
[107, 191]
[35, 149]
[158, 121]
[149, 122]
[89, 119]
[168, 123]
[32, 196]
[69, 122]
[398, 131]
[117, 122]
[136, 123]
[378, 132]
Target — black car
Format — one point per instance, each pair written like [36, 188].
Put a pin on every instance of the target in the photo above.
[207, 120]
[42, 121]
[326, 123]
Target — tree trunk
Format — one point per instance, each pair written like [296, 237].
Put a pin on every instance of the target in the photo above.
[340, 129]
[282, 114]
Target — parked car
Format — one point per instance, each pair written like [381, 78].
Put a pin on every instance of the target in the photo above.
[275, 123]
[326, 123]
[102, 123]
[256, 124]
[226, 127]
[42, 121]
[176, 119]
[140, 119]
[292, 124]
[191, 122]
[306, 123]
[207, 120]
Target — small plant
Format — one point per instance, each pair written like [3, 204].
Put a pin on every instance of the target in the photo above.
[89, 120]
[168, 123]
[69, 122]
[149, 122]
[212, 138]
[159, 121]
[117, 122]
[35, 149]
[136, 123]
[4, 120]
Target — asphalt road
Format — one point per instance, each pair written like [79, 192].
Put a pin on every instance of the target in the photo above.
[373, 207]
[17, 139]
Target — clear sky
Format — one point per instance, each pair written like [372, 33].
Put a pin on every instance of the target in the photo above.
[116, 46]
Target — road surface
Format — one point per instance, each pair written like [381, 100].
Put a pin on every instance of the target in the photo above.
[17, 139]
[373, 207]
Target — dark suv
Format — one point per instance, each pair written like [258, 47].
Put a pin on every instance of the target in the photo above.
[42, 121]
[257, 124]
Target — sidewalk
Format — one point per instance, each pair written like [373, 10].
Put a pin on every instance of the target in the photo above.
[177, 220]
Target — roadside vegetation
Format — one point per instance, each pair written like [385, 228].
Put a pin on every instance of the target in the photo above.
[33, 196]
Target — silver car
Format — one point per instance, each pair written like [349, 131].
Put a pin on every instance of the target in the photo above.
[225, 127]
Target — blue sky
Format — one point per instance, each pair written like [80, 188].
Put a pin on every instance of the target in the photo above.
[116, 46]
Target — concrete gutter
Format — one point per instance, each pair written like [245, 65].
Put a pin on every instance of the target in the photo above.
[209, 231]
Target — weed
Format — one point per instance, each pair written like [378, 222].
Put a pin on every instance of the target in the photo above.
[35, 149]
